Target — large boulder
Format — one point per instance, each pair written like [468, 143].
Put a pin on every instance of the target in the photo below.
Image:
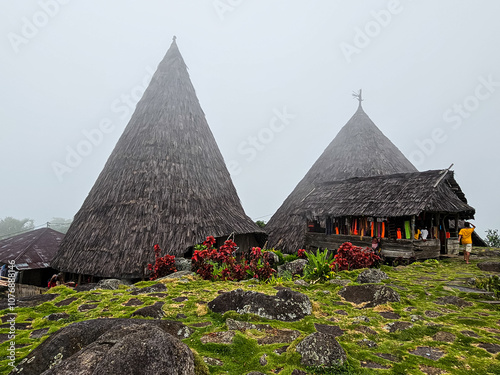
[286, 305]
[489, 266]
[371, 275]
[77, 340]
[369, 295]
[320, 349]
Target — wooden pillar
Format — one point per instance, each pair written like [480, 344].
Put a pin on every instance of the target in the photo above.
[456, 226]
[413, 227]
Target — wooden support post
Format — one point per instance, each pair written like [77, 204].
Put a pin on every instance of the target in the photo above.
[456, 226]
[413, 227]
[79, 279]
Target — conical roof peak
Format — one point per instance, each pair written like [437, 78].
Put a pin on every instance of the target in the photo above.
[360, 149]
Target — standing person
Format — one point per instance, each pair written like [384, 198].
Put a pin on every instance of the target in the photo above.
[375, 244]
[465, 235]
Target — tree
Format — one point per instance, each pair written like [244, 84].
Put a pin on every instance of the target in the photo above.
[60, 224]
[10, 227]
[493, 238]
[261, 223]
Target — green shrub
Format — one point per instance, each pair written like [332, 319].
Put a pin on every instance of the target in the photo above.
[493, 238]
[318, 265]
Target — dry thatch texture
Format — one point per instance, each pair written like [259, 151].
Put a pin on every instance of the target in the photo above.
[360, 149]
[31, 250]
[397, 195]
[165, 183]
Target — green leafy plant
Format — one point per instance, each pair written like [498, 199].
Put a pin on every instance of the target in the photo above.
[493, 238]
[318, 265]
[491, 284]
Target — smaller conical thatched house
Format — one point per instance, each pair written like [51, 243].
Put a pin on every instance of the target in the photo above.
[165, 183]
[360, 149]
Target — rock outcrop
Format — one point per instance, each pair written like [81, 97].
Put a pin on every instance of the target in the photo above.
[286, 305]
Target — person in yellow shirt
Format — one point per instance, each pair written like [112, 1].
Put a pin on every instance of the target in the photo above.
[465, 235]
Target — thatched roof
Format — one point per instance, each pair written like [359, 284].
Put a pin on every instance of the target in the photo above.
[360, 149]
[31, 250]
[165, 183]
[396, 195]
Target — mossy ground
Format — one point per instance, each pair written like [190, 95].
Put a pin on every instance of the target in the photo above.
[419, 286]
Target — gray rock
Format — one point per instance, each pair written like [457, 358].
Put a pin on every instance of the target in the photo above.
[286, 305]
[361, 319]
[178, 275]
[397, 326]
[428, 352]
[56, 316]
[263, 360]
[182, 264]
[367, 343]
[153, 311]
[329, 329]
[110, 284]
[301, 282]
[319, 349]
[341, 282]
[295, 268]
[223, 337]
[453, 300]
[213, 361]
[155, 288]
[73, 340]
[371, 275]
[369, 295]
[279, 336]
[489, 266]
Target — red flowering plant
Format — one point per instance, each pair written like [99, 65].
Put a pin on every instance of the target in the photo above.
[259, 265]
[218, 264]
[163, 265]
[351, 257]
[221, 264]
[301, 253]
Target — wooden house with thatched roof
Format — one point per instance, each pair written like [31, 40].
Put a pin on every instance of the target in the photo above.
[360, 149]
[395, 208]
[32, 253]
[165, 183]
[362, 186]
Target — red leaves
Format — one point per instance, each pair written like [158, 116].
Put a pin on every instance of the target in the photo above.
[301, 253]
[351, 257]
[163, 265]
[221, 264]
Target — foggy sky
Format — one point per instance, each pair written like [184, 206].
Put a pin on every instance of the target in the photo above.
[274, 79]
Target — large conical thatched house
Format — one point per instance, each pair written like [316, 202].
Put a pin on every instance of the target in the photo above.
[360, 149]
[165, 183]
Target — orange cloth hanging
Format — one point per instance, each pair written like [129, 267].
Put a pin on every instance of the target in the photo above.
[355, 231]
[372, 230]
[399, 233]
[383, 230]
[336, 230]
